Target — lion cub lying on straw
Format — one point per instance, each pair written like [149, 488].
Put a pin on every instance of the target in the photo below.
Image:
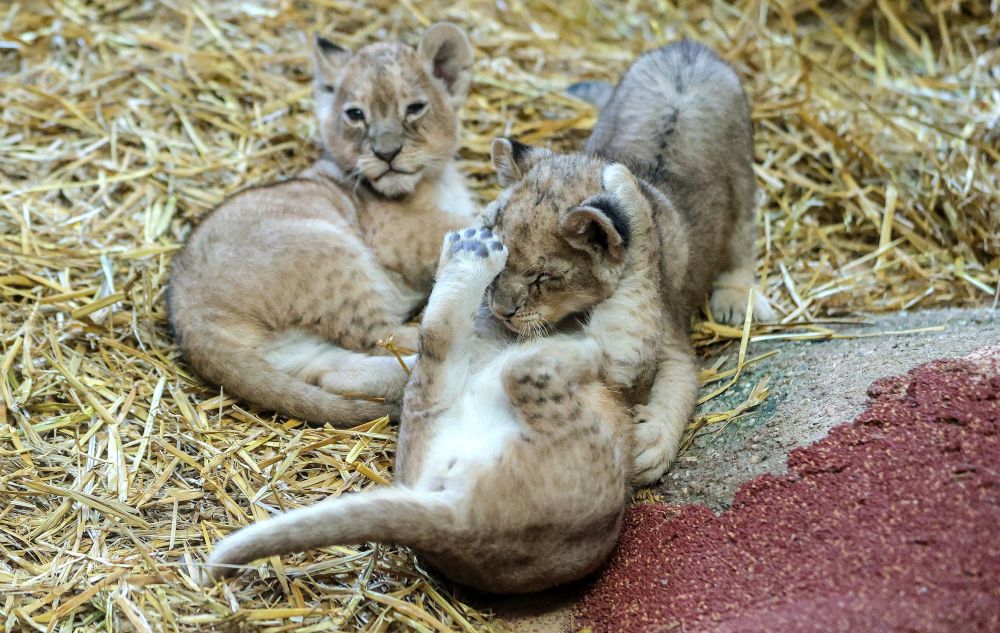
[513, 458]
[579, 237]
[284, 292]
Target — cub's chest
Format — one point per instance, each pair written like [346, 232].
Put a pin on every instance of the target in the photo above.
[407, 246]
[406, 236]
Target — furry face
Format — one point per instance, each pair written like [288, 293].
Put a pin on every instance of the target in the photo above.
[387, 113]
[567, 233]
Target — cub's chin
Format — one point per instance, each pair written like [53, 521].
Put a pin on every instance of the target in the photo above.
[395, 184]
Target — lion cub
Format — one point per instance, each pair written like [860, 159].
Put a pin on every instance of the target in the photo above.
[513, 457]
[284, 292]
[585, 232]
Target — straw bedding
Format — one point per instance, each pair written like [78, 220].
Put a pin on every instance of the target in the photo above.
[122, 123]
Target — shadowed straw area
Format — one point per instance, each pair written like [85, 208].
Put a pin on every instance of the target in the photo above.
[122, 123]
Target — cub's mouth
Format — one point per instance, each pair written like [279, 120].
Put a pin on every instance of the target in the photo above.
[528, 325]
[394, 183]
[534, 324]
[393, 171]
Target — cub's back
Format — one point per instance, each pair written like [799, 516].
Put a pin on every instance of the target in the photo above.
[677, 115]
[249, 243]
[680, 120]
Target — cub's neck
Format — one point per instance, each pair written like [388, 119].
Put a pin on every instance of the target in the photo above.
[404, 233]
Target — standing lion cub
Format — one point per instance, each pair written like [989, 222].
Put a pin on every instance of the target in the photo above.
[655, 216]
[284, 292]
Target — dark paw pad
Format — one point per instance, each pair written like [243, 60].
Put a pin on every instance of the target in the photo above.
[472, 246]
[476, 241]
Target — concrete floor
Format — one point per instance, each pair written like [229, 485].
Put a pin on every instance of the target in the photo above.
[814, 386]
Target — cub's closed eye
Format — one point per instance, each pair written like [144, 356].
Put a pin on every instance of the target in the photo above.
[328, 88]
[541, 279]
[415, 108]
[355, 114]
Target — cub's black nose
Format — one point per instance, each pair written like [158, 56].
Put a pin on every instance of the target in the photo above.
[387, 154]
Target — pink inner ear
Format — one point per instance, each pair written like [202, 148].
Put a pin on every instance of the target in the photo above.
[441, 62]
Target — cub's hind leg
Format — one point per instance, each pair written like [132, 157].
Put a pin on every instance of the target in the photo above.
[543, 382]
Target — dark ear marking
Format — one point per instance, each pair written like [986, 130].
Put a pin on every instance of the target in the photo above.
[327, 47]
[513, 159]
[328, 58]
[441, 70]
[519, 151]
[592, 228]
[611, 208]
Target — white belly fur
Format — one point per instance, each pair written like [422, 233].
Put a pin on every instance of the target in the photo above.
[473, 433]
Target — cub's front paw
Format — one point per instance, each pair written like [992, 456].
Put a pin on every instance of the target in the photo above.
[478, 247]
[729, 305]
[655, 447]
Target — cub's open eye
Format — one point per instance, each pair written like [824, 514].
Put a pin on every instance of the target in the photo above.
[416, 108]
[354, 114]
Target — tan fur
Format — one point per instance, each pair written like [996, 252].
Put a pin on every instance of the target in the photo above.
[284, 292]
[640, 227]
[513, 457]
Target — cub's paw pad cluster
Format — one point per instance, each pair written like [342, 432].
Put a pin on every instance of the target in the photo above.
[477, 242]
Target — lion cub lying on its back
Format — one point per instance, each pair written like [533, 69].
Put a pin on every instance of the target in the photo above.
[283, 293]
[583, 232]
[513, 457]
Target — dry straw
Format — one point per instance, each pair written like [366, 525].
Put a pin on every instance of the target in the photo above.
[123, 122]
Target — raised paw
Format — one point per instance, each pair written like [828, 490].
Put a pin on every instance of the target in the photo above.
[474, 246]
[729, 305]
[655, 448]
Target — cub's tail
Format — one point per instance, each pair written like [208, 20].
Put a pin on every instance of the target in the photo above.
[596, 93]
[393, 514]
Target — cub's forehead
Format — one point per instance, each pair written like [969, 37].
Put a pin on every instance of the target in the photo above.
[384, 72]
[550, 188]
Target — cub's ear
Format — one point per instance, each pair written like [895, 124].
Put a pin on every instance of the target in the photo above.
[599, 225]
[618, 182]
[448, 50]
[328, 59]
[513, 160]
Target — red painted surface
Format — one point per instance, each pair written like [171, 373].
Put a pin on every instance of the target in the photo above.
[890, 523]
